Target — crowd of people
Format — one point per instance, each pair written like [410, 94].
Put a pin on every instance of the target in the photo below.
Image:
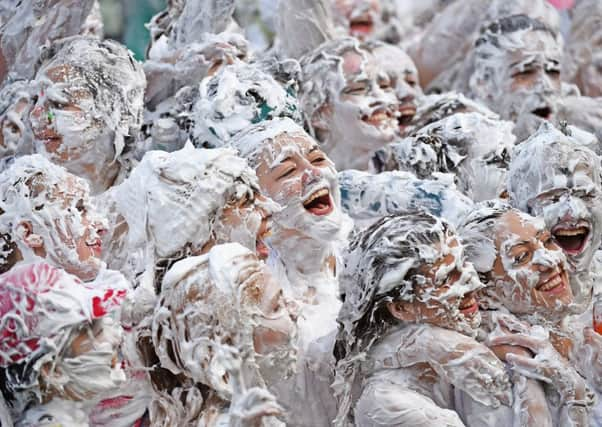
[311, 213]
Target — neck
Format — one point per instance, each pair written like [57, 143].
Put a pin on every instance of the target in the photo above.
[305, 256]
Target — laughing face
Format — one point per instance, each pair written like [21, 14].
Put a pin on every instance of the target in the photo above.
[570, 204]
[396, 71]
[296, 174]
[529, 275]
[362, 118]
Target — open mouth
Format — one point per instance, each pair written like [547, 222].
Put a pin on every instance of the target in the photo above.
[96, 247]
[319, 203]
[361, 25]
[405, 115]
[571, 239]
[469, 306]
[543, 112]
[261, 249]
[554, 284]
[379, 118]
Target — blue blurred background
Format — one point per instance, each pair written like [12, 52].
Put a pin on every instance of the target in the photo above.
[124, 21]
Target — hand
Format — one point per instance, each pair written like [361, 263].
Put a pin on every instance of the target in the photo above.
[254, 404]
[547, 365]
[465, 363]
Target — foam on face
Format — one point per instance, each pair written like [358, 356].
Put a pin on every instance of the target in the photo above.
[512, 289]
[105, 85]
[344, 105]
[206, 319]
[553, 177]
[171, 200]
[516, 71]
[57, 205]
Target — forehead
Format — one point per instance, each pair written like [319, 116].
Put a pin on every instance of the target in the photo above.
[531, 46]
[288, 144]
[512, 225]
[348, 6]
[393, 59]
[352, 63]
[60, 72]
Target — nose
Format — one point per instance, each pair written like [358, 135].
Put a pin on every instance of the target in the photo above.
[544, 260]
[310, 174]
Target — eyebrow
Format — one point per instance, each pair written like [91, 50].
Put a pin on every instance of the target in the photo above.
[521, 243]
[278, 162]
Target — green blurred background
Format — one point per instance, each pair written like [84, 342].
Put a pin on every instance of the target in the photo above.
[124, 21]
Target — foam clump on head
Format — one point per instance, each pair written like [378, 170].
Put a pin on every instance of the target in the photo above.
[238, 96]
[531, 159]
[171, 200]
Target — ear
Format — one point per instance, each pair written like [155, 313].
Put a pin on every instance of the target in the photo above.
[402, 310]
[26, 234]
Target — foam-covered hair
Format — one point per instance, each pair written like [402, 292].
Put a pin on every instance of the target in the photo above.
[322, 76]
[204, 320]
[237, 96]
[171, 200]
[536, 161]
[477, 233]
[380, 265]
[250, 142]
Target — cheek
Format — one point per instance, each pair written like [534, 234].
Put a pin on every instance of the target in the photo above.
[287, 191]
[267, 339]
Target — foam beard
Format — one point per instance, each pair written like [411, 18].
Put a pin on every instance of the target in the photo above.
[90, 375]
[351, 141]
[85, 142]
[521, 107]
[54, 225]
[451, 300]
[294, 215]
[480, 180]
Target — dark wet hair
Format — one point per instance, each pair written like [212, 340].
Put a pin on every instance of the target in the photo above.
[510, 24]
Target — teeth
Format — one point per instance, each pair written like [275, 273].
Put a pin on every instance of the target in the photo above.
[552, 283]
[378, 117]
[571, 232]
[468, 304]
[320, 193]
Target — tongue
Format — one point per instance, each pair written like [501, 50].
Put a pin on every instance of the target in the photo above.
[570, 243]
[319, 205]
